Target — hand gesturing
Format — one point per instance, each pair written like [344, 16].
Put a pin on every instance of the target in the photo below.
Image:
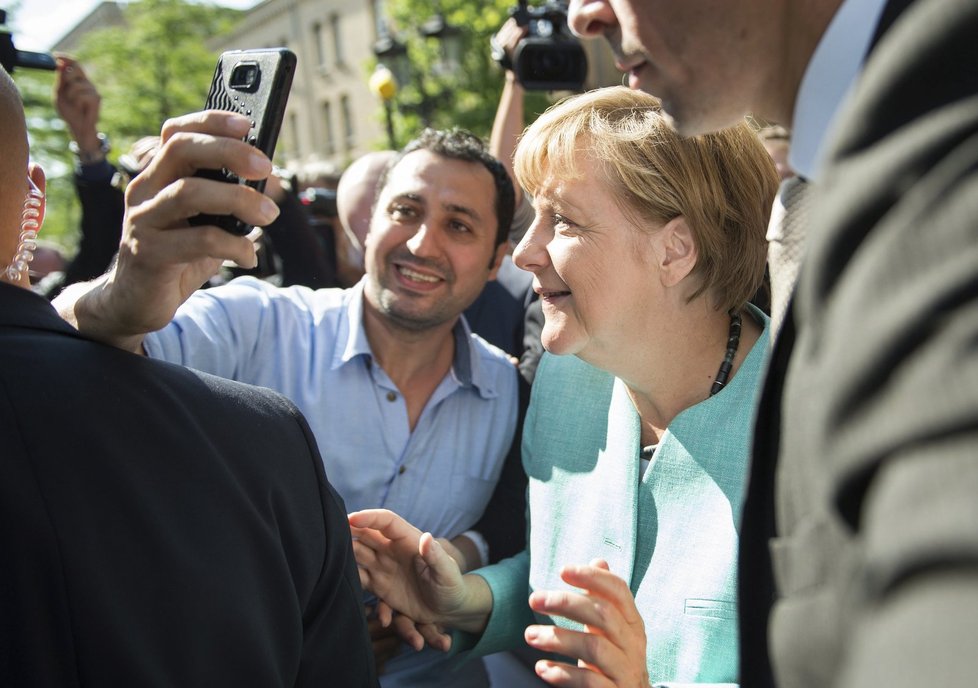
[610, 649]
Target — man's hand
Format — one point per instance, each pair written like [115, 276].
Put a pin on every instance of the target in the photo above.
[610, 650]
[78, 103]
[162, 259]
[413, 574]
[385, 640]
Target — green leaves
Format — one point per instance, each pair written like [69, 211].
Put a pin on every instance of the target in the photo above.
[466, 97]
[155, 67]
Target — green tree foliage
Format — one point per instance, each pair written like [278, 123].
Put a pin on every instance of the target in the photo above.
[466, 96]
[49, 147]
[158, 67]
[48, 142]
[155, 67]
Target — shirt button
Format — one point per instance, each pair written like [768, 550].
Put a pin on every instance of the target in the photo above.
[391, 396]
[400, 471]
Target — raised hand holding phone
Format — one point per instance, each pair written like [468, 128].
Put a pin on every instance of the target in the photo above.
[256, 84]
[162, 258]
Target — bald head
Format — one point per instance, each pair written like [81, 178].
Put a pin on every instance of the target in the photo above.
[356, 192]
[13, 166]
[13, 130]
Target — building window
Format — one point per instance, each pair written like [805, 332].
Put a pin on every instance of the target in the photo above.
[334, 25]
[347, 114]
[328, 123]
[293, 138]
[317, 39]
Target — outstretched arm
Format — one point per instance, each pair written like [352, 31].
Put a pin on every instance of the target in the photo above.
[412, 573]
[162, 258]
[509, 121]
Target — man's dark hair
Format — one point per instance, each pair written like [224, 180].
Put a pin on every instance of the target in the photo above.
[460, 144]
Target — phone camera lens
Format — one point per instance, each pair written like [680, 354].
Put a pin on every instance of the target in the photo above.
[245, 77]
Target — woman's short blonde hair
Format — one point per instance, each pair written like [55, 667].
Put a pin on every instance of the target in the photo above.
[722, 183]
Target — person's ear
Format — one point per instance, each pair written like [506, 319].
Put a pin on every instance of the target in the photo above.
[36, 173]
[679, 254]
[497, 260]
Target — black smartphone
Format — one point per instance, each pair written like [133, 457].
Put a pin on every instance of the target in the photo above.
[255, 83]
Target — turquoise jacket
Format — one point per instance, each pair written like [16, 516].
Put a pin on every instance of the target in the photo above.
[672, 533]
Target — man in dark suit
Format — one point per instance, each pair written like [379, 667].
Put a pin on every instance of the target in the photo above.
[158, 526]
[860, 535]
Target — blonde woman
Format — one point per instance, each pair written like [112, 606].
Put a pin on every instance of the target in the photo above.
[645, 250]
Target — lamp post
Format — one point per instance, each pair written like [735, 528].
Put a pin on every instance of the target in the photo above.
[394, 53]
[383, 85]
[449, 42]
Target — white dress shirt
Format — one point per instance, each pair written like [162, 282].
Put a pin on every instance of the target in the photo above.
[837, 61]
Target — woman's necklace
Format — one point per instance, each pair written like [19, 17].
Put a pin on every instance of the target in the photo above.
[733, 341]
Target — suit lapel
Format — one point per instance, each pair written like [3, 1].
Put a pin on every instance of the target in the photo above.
[893, 9]
[583, 471]
[622, 463]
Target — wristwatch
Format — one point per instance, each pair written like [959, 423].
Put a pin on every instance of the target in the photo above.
[88, 158]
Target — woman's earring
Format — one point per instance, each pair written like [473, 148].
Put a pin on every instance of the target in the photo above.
[30, 224]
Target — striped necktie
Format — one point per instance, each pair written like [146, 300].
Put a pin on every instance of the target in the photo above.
[786, 241]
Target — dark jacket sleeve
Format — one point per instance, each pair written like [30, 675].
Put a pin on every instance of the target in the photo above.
[881, 396]
[102, 210]
[336, 645]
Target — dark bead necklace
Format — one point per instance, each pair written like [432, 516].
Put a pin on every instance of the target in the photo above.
[733, 342]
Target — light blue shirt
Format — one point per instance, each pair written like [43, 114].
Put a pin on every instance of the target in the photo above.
[310, 345]
[828, 79]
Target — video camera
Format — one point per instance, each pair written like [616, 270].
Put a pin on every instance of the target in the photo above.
[321, 203]
[11, 58]
[549, 57]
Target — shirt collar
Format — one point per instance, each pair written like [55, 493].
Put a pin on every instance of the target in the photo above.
[351, 328]
[466, 370]
[828, 78]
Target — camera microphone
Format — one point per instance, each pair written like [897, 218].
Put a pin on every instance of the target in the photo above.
[11, 58]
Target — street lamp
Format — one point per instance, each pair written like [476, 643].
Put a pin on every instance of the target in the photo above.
[449, 40]
[392, 55]
[390, 51]
[383, 85]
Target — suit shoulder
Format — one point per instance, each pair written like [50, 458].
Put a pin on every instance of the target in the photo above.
[252, 398]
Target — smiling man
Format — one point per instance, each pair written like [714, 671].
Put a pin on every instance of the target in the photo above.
[411, 411]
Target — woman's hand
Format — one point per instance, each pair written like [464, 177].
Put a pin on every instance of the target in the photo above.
[611, 649]
[413, 574]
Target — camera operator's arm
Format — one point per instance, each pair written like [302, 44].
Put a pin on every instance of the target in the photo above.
[78, 103]
[162, 259]
[509, 121]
